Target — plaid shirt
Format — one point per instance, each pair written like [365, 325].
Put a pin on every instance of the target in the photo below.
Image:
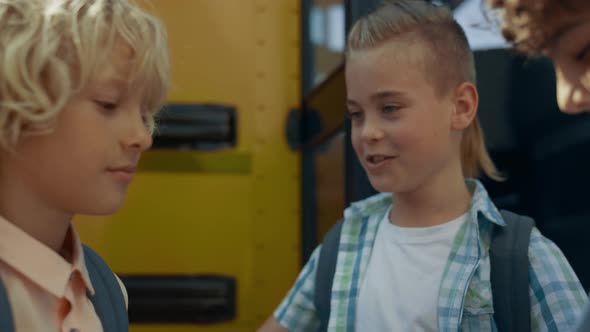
[465, 295]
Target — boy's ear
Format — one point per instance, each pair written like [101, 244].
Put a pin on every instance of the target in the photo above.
[466, 103]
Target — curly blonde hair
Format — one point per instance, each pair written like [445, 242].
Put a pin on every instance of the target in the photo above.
[533, 24]
[436, 29]
[49, 50]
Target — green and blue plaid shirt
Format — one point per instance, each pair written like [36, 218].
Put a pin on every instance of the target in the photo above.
[465, 295]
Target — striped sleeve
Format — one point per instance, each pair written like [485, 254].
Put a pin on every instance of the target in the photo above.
[557, 297]
[583, 324]
[297, 311]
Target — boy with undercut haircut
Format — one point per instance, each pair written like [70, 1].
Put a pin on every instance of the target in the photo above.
[80, 81]
[416, 257]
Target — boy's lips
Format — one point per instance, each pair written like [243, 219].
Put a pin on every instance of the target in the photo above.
[123, 173]
[375, 161]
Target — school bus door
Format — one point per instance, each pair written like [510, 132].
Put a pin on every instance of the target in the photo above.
[332, 175]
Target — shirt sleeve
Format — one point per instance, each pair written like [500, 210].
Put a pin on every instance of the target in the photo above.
[297, 311]
[557, 297]
[583, 323]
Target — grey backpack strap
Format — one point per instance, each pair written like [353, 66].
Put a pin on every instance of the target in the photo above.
[510, 273]
[325, 274]
[6, 320]
[108, 299]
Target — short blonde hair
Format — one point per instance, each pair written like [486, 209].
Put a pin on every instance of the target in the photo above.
[533, 24]
[49, 50]
[435, 28]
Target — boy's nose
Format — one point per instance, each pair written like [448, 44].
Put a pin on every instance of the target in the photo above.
[371, 131]
[144, 140]
[138, 136]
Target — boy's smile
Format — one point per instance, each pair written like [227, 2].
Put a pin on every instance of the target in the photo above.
[376, 162]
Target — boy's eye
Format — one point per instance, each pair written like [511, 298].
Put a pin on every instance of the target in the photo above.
[108, 106]
[390, 108]
[354, 115]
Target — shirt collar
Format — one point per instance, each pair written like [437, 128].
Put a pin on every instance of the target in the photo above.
[78, 262]
[39, 263]
[481, 204]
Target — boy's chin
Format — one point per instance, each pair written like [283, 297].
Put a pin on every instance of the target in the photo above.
[105, 207]
[384, 185]
[389, 185]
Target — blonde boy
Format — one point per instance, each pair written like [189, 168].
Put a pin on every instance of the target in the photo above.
[418, 259]
[79, 83]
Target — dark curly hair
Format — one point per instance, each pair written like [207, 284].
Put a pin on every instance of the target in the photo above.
[533, 24]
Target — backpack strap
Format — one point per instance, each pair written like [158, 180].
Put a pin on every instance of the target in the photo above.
[325, 274]
[108, 300]
[510, 272]
[6, 320]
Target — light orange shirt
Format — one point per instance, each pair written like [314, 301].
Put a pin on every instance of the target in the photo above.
[46, 292]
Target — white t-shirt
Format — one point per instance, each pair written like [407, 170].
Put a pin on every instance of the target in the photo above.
[400, 287]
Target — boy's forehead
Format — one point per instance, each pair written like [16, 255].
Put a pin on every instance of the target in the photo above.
[115, 65]
[122, 55]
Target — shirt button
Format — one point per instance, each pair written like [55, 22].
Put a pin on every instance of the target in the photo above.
[74, 330]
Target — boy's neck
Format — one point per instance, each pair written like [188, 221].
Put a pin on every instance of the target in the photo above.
[31, 214]
[441, 199]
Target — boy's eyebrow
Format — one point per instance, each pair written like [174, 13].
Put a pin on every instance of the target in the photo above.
[117, 81]
[377, 96]
[110, 83]
[351, 102]
[386, 94]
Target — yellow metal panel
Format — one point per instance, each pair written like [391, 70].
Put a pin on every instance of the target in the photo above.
[212, 51]
[276, 168]
[167, 226]
[175, 224]
[222, 162]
